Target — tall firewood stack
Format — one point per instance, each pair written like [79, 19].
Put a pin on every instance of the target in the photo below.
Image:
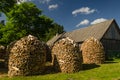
[27, 56]
[2, 52]
[66, 56]
[92, 51]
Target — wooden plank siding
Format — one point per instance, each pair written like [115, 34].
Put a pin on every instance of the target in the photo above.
[111, 44]
[113, 32]
[111, 47]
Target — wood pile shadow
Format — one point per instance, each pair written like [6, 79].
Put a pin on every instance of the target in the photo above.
[110, 62]
[90, 66]
[3, 69]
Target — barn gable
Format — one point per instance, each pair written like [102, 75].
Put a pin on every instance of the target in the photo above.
[113, 32]
[111, 40]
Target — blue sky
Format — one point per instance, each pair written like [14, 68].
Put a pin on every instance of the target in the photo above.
[75, 14]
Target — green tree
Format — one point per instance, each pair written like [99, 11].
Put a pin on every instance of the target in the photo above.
[49, 28]
[24, 19]
[25, 16]
[1, 26]
[6, 5]
[10, 33]
[53, 30]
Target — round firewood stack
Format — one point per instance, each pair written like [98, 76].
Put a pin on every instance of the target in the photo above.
[92, 51]
[2, 52]
[66, 56]
[27, 56]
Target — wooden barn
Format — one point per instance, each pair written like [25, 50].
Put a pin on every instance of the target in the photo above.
[107, 32]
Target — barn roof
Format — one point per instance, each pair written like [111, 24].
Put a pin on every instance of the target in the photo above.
[97, 31]
[54, 39]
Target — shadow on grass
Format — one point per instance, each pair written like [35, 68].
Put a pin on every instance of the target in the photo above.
[49, 69]
[90, 66]
[109, 62]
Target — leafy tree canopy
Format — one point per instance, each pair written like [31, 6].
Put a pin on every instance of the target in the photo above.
[24, 19]
[6, 5]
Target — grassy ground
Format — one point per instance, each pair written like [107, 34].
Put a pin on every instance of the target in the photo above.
[108, 71]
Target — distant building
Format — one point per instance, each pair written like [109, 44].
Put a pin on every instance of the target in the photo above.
[107, 32]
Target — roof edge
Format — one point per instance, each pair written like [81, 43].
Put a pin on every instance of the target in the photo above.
[112, 20]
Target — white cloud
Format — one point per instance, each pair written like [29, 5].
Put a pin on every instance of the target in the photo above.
[41, 1]
[98, 20]
[20, 1]
[83, 10]
[45, 1]
[53, 6]
[84, 22]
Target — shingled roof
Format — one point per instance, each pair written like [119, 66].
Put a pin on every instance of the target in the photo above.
[97, 31]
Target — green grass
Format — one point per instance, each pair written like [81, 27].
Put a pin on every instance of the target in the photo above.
[107, 71]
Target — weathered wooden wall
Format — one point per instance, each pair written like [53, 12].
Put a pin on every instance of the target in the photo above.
[112, 33]
[111, 44]
[111, 40]
[111, 47]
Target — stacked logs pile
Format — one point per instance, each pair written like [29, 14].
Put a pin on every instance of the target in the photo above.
[2, 52]
[27, 56]
[92, 51]
[66, 56]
